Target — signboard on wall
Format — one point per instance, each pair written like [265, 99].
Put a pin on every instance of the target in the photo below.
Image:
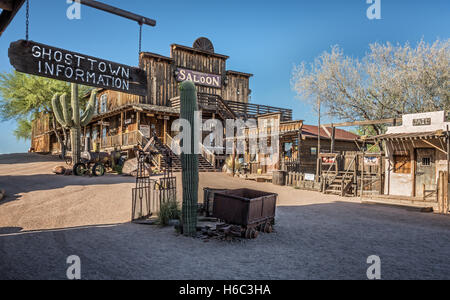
[47, 61]
[422, 122]
[199, 78]
[371, 160]
[145, 130]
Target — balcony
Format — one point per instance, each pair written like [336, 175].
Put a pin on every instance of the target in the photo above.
[245, 110]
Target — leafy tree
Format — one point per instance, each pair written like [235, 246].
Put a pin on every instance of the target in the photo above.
[25, 97]
[23, 130]
[388, 82]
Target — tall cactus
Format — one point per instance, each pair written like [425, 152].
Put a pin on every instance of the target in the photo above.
[68, 115]
[189, 161]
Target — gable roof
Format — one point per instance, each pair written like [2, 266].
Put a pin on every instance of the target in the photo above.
[311, 131]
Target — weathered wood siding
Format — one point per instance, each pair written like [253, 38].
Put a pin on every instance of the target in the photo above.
[237, 89]
[40, 138]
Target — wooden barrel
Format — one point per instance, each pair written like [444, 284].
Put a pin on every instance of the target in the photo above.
[279, 177]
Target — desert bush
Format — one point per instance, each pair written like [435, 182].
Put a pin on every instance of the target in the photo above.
[169, 211]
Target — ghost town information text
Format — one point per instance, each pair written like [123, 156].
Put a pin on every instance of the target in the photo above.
[42, 60]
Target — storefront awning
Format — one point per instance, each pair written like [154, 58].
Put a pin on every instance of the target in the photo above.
[409, 136]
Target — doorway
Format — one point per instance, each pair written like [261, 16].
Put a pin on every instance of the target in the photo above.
[425, 176]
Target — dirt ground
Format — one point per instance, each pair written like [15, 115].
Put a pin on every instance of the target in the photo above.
[46, 218]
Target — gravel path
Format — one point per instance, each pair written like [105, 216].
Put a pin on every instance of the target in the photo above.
[317, 236]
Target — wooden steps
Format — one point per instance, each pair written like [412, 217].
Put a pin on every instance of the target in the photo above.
[341, 184]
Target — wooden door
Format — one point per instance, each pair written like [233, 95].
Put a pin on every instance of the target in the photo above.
[425, 177]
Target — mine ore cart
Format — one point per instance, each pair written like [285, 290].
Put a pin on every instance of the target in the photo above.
[253, 211]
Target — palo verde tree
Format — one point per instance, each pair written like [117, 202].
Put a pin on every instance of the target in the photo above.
[24, 98]
[189, 161]
[68, 115]
[389, 81]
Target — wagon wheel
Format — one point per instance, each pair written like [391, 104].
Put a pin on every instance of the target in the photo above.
[79, 169]
[268, 228]
[98, 170]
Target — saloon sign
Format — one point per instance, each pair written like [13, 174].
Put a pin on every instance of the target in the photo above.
[199, 78]
[46, 61]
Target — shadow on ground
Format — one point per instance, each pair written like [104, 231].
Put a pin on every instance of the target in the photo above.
[322, 241]
[19, 184]
[24, 158]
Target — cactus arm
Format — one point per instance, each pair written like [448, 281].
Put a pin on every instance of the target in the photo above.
[57, 110]
[75, 106]
[66, 110]
[90, 109]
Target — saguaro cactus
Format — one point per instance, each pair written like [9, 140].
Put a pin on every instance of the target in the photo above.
[189, 161]
[68, 115]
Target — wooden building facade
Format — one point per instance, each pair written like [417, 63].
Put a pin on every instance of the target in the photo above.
[124, 121]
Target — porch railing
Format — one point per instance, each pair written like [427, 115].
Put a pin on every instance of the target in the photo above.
[248, 110]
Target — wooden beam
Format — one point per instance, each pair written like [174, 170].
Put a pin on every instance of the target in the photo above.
[363, 123]
[8, 15]
[118, 12]
[326, 130]
[7, 4]
[434, 146]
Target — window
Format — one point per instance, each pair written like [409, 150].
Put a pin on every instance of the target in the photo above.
[426, 161]
[103, 104]
[402, 164]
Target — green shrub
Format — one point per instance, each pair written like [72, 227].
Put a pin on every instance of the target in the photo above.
[168, 211]
[118, 169]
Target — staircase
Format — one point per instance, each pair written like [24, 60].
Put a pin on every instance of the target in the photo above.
[224, 111]
[161, 148]
[341, 184]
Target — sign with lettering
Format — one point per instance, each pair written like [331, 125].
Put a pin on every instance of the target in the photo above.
[199, 78]
[46, 61]
[422, 122]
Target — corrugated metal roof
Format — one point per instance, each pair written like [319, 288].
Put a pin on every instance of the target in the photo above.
[312, 131]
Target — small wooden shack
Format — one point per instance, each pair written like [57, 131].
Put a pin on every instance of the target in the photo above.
[417, 160]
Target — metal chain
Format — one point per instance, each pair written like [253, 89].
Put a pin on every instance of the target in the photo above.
[27, 23]
[140, 38]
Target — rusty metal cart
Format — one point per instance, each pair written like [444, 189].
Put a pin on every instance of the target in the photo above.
[252, 210]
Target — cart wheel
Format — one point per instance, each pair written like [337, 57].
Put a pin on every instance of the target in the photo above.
[98, 170]
[268, 228]
[79, 169]
[248, 233]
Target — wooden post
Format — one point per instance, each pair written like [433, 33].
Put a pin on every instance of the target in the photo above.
[233, 157]
[165, 131]
[362, 174]
[355, 175]
[299, 147]
[101, 134]
[318, 145]
[380, 174]
[446, 199]
[333, 139]
[121, 128]
[138, 120]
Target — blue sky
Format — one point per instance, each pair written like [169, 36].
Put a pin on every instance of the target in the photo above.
[261, 37]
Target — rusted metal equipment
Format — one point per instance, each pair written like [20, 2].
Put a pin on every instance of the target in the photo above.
[252, 210]
[94, 163]
[208, 200]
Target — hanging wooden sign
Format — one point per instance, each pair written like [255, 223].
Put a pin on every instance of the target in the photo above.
[47, 61]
